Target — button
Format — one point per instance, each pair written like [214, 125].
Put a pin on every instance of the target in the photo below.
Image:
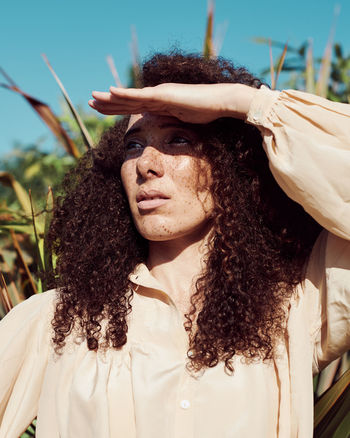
[257, 116]
[190, 353]
[185, 404]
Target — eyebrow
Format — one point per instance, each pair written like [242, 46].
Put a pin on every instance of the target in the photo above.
[181, 125]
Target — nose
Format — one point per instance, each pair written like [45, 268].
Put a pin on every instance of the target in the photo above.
[150, 163]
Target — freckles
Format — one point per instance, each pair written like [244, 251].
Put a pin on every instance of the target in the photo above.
[184, 164]
[166, 230]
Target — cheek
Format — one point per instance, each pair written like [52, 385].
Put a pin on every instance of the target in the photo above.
[185, 171]
[194, 176]
[193, 180]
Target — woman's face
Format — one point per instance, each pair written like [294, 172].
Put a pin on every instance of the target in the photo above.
[166, 185]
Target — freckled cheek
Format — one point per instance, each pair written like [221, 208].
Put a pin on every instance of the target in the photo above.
[184, 173]
[183, 164]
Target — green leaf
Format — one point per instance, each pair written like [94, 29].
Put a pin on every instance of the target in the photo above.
[48, 216]
[332, 410]
[8, 180]
[38, 241]
[27, 229]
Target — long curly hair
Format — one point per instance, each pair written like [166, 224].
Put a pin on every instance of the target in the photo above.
[260, 242]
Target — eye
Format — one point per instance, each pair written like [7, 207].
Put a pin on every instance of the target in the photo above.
[133, 145]
[179, 140]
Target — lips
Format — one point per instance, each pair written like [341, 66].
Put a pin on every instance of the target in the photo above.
[150, 199]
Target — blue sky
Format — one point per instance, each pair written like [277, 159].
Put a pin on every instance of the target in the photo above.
[77, 36]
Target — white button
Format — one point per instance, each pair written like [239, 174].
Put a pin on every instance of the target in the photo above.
[190, 353]
[257, 116]
[185, 404]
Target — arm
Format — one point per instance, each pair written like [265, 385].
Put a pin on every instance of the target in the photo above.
[198, 103]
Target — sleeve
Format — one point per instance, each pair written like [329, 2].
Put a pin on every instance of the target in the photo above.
[307, 141]
[24, 346]
[327, 294]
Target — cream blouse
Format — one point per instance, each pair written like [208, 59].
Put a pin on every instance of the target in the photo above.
[143, 390]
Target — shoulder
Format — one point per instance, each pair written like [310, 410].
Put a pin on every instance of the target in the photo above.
[38, 309]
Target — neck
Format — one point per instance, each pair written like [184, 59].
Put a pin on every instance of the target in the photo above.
[177, 263]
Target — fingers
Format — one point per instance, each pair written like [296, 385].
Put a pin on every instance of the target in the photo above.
[120, 108]
[124, 95]
[146, 93]
[127, 101]
[112, 108]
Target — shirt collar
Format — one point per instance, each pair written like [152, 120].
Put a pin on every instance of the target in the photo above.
[141, 276]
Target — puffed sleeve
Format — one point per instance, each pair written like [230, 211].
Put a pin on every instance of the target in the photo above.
[24, 346]
[307, 141]
[327, 296]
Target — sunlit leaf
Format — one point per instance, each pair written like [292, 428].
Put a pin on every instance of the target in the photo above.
[8, 180]
[310, 72]
[32, 170]
[10, 282]
[114, 71]
[40, 255]
[48, 216]
[280, 63]
[208, 49]
[136, 64]
[4, 293]
[268, 41]
[325, 68]
[84, 132]
[23, 263]
[46, 114]
[219, 37]
[323, 77]
[27, 229]
[272, 68]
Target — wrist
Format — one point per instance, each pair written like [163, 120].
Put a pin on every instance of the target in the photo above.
[238, 101]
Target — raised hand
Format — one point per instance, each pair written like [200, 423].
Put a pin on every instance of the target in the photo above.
[199, 103]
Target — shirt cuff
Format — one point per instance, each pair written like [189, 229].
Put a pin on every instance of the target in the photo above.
[261, 105]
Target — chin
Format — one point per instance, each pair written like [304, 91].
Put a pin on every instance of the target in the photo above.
[159, 233]
[155, 230]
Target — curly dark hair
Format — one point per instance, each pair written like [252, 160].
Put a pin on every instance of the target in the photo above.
[260, 245]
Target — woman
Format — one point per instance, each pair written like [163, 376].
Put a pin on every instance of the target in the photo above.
[191, 298]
